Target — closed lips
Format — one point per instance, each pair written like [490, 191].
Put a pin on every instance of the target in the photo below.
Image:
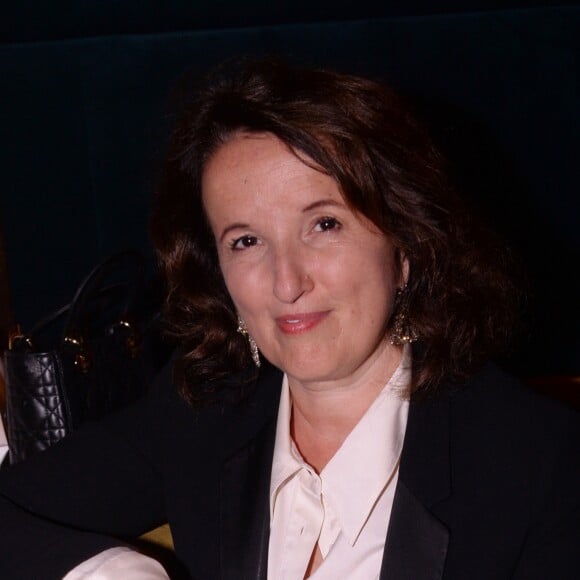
[298, 323]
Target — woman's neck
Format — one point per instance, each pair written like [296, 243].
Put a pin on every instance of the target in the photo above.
[324, 413]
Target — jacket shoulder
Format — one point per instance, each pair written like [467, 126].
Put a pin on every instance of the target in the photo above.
[499, 400]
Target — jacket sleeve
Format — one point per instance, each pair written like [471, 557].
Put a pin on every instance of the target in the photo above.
[80, 496]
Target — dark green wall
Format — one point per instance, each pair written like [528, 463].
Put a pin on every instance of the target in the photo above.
[85, 111]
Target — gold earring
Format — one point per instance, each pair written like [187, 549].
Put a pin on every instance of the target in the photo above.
[243, 330]
[402, 331]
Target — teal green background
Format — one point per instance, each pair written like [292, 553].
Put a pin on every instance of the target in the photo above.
[86, 105]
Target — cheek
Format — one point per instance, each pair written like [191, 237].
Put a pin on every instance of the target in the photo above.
[232, 282]
[245, 286]
[378, 285]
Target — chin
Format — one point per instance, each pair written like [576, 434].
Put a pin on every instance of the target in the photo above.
[306, 372]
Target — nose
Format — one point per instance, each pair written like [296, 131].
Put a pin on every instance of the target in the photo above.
[291, 277]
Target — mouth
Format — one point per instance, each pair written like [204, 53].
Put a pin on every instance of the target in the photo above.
[300, 322]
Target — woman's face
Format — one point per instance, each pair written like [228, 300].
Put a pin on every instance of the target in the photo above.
[314, 281]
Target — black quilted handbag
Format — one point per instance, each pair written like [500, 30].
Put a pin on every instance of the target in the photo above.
[62, 375]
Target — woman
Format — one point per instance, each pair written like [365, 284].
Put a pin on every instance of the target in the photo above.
[334, 306]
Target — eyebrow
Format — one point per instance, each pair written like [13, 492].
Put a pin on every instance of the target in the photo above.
[234, 226]
[322, 203]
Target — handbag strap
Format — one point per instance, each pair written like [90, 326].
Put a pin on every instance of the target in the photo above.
[129, 262]
[91, 286]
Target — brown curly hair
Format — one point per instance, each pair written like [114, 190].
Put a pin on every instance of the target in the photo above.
[459, 298]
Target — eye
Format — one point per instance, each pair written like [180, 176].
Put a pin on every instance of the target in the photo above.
[326, 224]
[243, 242]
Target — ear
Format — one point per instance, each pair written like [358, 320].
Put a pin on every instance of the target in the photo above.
[405, 268]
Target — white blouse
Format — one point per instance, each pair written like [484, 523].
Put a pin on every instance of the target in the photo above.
[346, 509]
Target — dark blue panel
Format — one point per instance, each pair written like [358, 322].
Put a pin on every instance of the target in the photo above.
[84, 123]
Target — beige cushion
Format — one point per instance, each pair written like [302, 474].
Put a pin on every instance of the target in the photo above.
[160, 536]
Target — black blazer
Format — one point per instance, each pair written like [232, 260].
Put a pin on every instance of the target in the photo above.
[489, 487]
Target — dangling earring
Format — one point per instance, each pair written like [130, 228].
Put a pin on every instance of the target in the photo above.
[402, 332]
[243, 330]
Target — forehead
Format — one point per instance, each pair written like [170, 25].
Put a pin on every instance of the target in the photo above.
[245, 151]
[254, 179]
[262, 165]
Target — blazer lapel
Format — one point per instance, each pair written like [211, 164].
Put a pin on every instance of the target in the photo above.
[245, 486]
[416, 545]
[416, 541]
